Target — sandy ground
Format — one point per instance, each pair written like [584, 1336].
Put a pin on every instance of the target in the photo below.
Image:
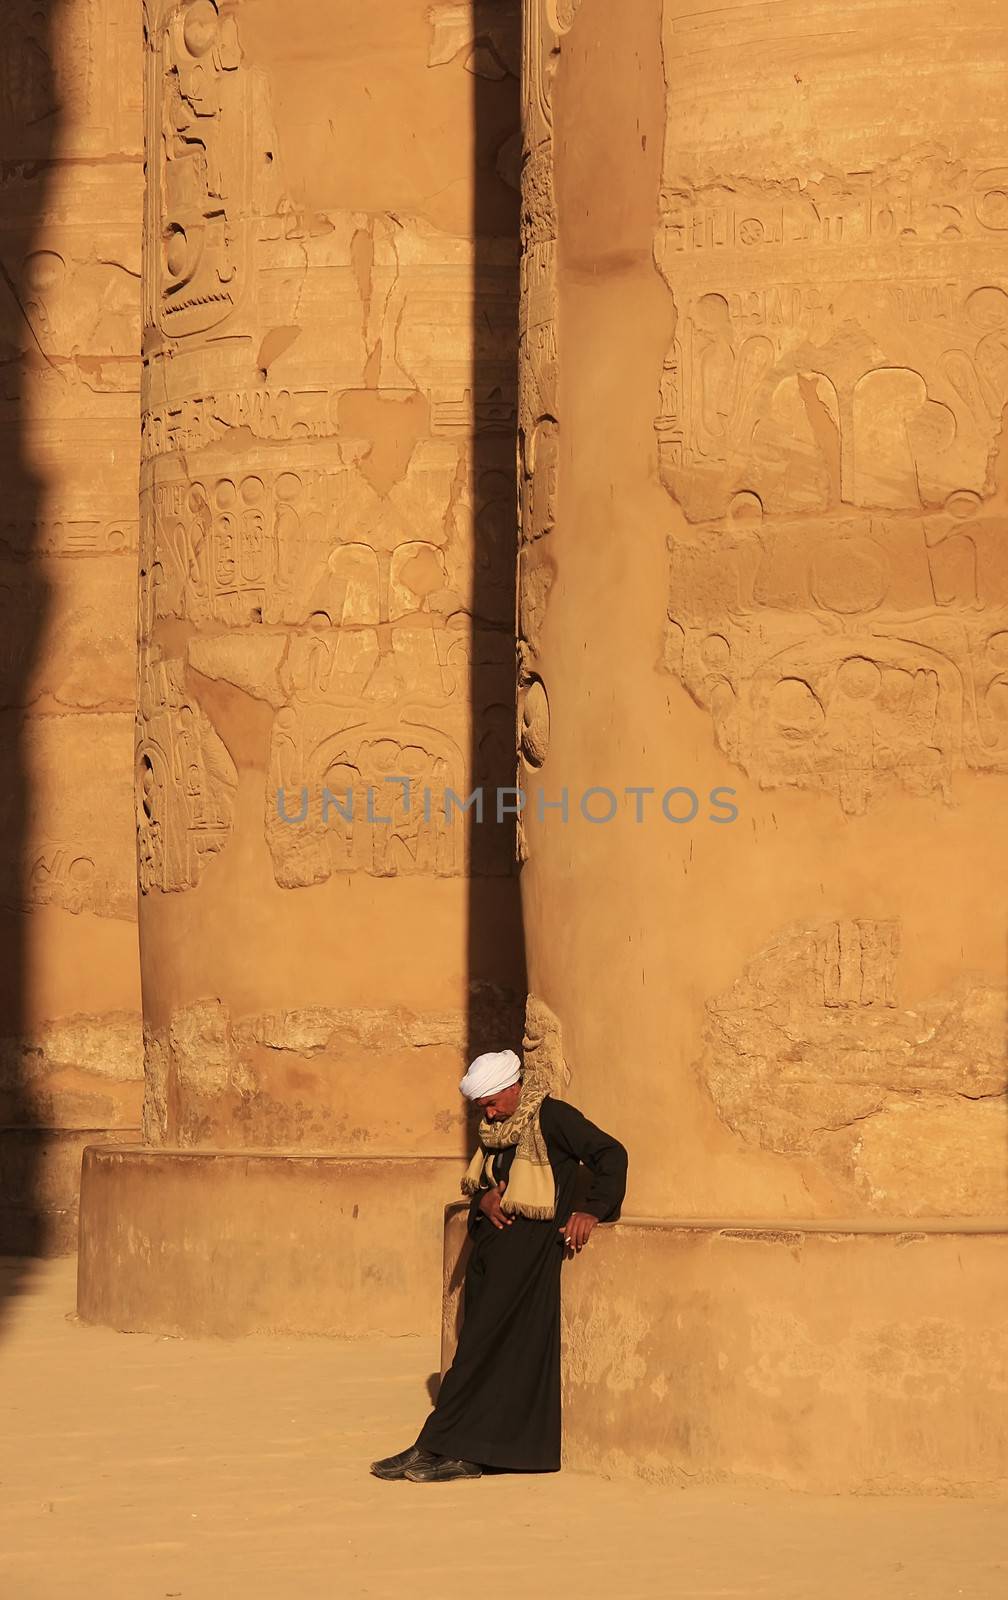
[139, 1468]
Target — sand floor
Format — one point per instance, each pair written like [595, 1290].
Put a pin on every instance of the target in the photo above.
[140, 1468]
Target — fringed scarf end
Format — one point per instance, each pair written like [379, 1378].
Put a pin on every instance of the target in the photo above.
[534, 1213]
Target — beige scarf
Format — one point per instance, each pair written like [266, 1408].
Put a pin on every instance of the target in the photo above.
[531, 1188]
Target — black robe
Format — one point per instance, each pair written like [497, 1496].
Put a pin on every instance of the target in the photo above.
[499, 1401]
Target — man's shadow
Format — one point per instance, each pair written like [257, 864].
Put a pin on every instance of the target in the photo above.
[455, 1292]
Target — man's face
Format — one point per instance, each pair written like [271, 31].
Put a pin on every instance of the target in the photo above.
[495, 1107]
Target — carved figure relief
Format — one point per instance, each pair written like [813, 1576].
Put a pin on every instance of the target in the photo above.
[331, 569]
[828, 425]
[840, 340]
[376, 679]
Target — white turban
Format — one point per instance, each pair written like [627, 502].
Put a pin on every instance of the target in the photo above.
[497, 1070]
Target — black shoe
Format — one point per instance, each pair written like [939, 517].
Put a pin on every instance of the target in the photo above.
[395, 1466]
[442, 1469]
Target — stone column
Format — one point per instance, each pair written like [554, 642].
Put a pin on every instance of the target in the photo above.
[764, 619]
[326, 656]
[70, 203]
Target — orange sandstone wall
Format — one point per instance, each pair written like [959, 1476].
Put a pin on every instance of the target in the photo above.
[765, 365]
[327, 593]
[70, 218]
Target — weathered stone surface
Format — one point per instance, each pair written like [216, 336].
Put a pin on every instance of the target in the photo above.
[70, 226]
[75, 1072]
[71, 834]
[542, 1048]
[761, 322]
[765, 287]
[810, 1052]
[326, 567]
[172, 1243]
[346, 1081]
[692, 1355]
[825, 1358]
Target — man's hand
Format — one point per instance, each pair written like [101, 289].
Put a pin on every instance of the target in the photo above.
[575, 1234]
[490, 1205]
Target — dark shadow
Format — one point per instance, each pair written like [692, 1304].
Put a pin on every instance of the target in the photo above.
[30, 381]
[496, 947]
[455, 1287]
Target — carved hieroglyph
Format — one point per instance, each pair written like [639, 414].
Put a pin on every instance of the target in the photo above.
[829, 423]
[178, 756]
[313, 515]
[841, 340]
[199, 105]
[811, 1052]
[544, 24]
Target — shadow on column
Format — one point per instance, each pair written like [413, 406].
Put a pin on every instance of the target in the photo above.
[30, 125]
[496, 945]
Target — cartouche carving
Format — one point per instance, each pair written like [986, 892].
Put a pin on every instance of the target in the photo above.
[186, 782]
[198, 194]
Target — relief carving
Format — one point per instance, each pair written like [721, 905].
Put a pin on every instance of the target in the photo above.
[840, 340]
[542, 1048]
[199, 147]
[74, 849]
[811, 1052]
[856, 656]
[829, 426]
[337, 569]
[366, 561]
[545, 22]
[374, 305]
[186, 782]
[384, 828]
[301, 544]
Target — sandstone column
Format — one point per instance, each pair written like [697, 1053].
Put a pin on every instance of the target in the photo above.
[326, 654]
[70, 204]
[764, 603]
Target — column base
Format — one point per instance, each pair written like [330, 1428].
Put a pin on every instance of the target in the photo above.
[201, 1242]
[833, 1358]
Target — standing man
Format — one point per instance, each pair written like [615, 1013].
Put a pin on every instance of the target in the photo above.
[499, 1402]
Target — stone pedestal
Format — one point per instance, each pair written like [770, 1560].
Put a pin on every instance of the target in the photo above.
[211, 1243]
[839, 1358]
